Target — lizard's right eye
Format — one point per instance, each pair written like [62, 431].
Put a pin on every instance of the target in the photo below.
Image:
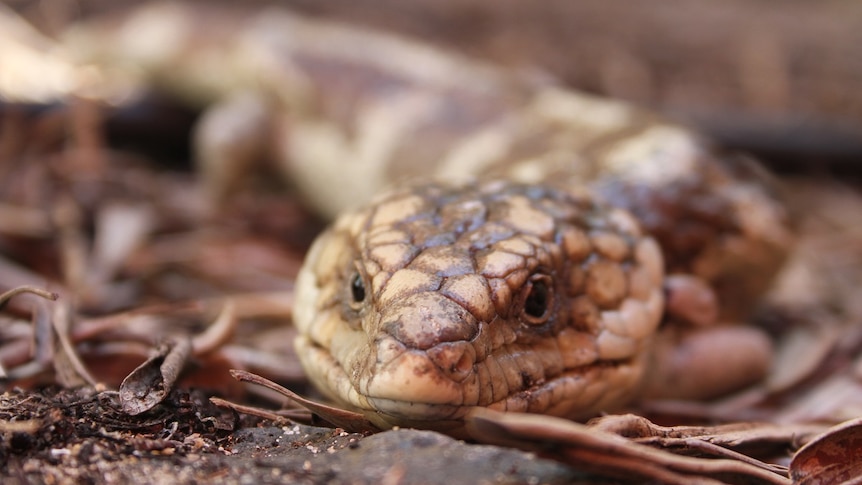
[357, 289]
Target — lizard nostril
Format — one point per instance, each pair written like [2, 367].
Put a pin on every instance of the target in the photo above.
[455, 359]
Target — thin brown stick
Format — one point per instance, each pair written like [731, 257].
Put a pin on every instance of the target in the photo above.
[342, 418]
[8, 295]
[62, 324]
[219, 332]
[250, 410]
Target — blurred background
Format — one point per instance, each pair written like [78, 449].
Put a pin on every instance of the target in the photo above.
[782, 79]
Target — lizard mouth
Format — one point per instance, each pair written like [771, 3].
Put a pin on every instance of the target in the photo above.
[411, 389]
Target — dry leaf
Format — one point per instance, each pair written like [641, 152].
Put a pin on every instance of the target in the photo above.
[832, 458]
[609, 454]
[152, 381]
[728, 440]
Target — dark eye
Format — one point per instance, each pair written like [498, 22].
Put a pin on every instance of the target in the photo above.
[357, 288]
[538, 298]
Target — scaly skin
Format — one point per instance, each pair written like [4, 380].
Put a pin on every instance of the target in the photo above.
[425, 304]
[438, 299]
[590, 199]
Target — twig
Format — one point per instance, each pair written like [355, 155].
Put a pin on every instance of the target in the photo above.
[61, 323]
[219, 332]
[341, 418]
[250, 410]
[8, 295]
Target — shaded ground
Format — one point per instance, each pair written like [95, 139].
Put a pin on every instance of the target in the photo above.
[81, 436]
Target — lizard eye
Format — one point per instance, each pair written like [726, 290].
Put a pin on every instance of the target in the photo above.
[357, 289]
[354, 299]
[537, 299]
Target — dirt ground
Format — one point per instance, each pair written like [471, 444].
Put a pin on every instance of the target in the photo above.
[76, 437]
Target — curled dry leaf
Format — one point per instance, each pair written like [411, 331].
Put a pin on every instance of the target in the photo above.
[152, 381]
[832, 458]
